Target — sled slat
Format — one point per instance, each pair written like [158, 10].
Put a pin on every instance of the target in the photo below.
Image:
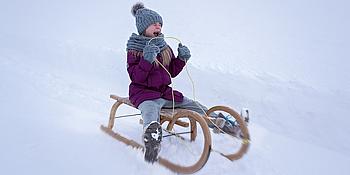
[167, 113]
[124, 100]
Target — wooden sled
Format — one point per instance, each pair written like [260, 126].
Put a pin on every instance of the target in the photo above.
[196, 122]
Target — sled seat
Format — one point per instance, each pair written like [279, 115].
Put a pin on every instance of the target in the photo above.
[165, 114]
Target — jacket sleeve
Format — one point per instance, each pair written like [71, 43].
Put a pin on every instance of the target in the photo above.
[176, 65]
[138, 68]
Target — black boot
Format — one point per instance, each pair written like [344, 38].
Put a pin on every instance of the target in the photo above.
[152, 138]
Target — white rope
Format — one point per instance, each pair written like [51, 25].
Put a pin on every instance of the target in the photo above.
[193, 87]
[194, 99]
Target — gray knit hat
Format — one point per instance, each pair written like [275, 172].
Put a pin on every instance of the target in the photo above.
[144, 17]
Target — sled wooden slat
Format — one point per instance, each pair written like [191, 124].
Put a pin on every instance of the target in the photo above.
[124, 100]
[165, 114]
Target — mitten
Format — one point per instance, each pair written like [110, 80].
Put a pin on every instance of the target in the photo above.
[150, 52]
[184, 52]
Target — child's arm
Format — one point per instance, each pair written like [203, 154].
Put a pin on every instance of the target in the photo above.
[138, 69]
[176, 65]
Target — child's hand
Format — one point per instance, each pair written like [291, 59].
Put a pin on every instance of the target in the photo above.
[184, 52]
[150, 52]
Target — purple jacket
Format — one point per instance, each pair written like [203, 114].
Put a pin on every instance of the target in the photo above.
[149, 81]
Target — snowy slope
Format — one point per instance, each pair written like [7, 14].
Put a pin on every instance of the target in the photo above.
[286, 61]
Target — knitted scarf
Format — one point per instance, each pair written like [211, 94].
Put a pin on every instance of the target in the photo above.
[138, 42]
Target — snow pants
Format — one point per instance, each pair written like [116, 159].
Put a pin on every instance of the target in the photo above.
[150, 109]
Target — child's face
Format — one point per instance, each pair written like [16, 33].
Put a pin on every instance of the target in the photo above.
[153, 30]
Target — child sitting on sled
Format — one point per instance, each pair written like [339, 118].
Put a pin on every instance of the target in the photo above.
[149, 89]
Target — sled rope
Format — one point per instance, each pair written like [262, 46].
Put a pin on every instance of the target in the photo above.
[192, 83]
[173, 108]
[170, 37]
[194, 99]
[172, 90]
[171, 83]
[193, 88]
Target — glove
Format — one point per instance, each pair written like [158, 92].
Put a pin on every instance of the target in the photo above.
[184, 52]
[150, 52]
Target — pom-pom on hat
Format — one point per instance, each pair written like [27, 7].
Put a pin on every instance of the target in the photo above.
[144, 17]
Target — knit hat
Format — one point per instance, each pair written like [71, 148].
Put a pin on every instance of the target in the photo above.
[145, 17]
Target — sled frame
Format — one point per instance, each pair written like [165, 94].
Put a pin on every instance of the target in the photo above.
[167, 115]
[194, 119]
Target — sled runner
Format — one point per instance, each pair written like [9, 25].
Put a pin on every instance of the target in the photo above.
[197, 129]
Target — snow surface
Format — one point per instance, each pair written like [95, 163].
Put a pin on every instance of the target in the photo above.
[287, 61]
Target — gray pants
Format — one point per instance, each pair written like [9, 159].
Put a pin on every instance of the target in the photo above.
[150, 109]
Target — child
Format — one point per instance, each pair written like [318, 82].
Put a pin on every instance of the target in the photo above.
[149, 89]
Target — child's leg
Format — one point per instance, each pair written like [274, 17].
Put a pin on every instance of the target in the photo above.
[152, 135]
[190, 105]
[150, 110]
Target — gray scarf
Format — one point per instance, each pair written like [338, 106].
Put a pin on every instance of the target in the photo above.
[138, 42]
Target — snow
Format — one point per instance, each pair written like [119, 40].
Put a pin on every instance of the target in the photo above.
[286, 61]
